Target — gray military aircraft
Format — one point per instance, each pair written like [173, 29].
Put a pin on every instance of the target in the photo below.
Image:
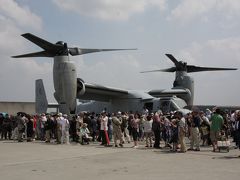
[178, 98]
[66, 84]
[68, 87]
[183, 85]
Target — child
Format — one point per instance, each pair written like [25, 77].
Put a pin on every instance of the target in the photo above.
[174, 138]
[205, 129]
[147, 124]
[84, 134]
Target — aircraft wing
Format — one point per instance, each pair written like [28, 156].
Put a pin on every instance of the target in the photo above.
[101, 93]
[170, 92]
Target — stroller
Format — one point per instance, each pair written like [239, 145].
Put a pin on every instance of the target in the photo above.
[223, 143]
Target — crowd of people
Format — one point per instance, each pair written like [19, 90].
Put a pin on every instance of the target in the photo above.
[156, 130]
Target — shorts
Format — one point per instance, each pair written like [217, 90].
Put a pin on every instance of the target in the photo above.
[135, 134]
[214, 135]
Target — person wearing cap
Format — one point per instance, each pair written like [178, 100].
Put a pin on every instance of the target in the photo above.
[60, 121]
[181, 131]
[84, 134]
[117, 133]
[65, 129]
[124, 127]
[195, 133]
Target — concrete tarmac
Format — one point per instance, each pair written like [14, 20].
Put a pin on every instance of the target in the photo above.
[40, 161]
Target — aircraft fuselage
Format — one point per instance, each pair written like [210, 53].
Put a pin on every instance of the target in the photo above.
[166, 104]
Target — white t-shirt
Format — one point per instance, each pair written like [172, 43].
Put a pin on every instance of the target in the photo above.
[182, 123]
[64, 123]
[104, 122]
[148, 126]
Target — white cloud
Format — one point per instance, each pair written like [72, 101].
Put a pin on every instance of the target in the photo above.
[121, 71]
[189, 10]
[17, 76]
[109, 9]
[20, 15]
[223, 51]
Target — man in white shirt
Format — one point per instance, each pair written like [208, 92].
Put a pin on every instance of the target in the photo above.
[104, 127]
[181, 131]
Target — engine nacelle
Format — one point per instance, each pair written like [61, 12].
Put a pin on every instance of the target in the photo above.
[80, 87]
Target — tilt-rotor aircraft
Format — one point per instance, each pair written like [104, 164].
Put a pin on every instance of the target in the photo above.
[183, 86]
[69, 88]
[179, 97]
[66, 84]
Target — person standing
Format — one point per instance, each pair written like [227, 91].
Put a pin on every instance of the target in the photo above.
[156, 130]
[195, 133]
[1, 122]
[93, 125]
[215, 128]
[59, 128]
[134, 122]
[117, 133]
[104, 128]
[21, 126]
[237, 127]
[29, 125]
[48, 128]
[181, 131]
[6, 127]
[65, 129]
[110, 127]
[43, 119]
[147, 125]
[124, 127]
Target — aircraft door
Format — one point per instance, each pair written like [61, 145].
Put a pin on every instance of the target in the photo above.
[149, 106]
[165, 106]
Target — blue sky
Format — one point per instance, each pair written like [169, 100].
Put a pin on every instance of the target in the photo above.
[204, 33]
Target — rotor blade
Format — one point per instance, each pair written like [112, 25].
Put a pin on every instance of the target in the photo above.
[78, 51]
[172, 69]
[35, 54]
[41, 42]
[172, 58]
[191, 69]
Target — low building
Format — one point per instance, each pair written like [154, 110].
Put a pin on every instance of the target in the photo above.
[14, 107]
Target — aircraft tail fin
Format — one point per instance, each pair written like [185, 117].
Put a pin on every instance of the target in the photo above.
[41, 103]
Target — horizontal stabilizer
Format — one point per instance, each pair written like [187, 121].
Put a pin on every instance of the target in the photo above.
[166, 93]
